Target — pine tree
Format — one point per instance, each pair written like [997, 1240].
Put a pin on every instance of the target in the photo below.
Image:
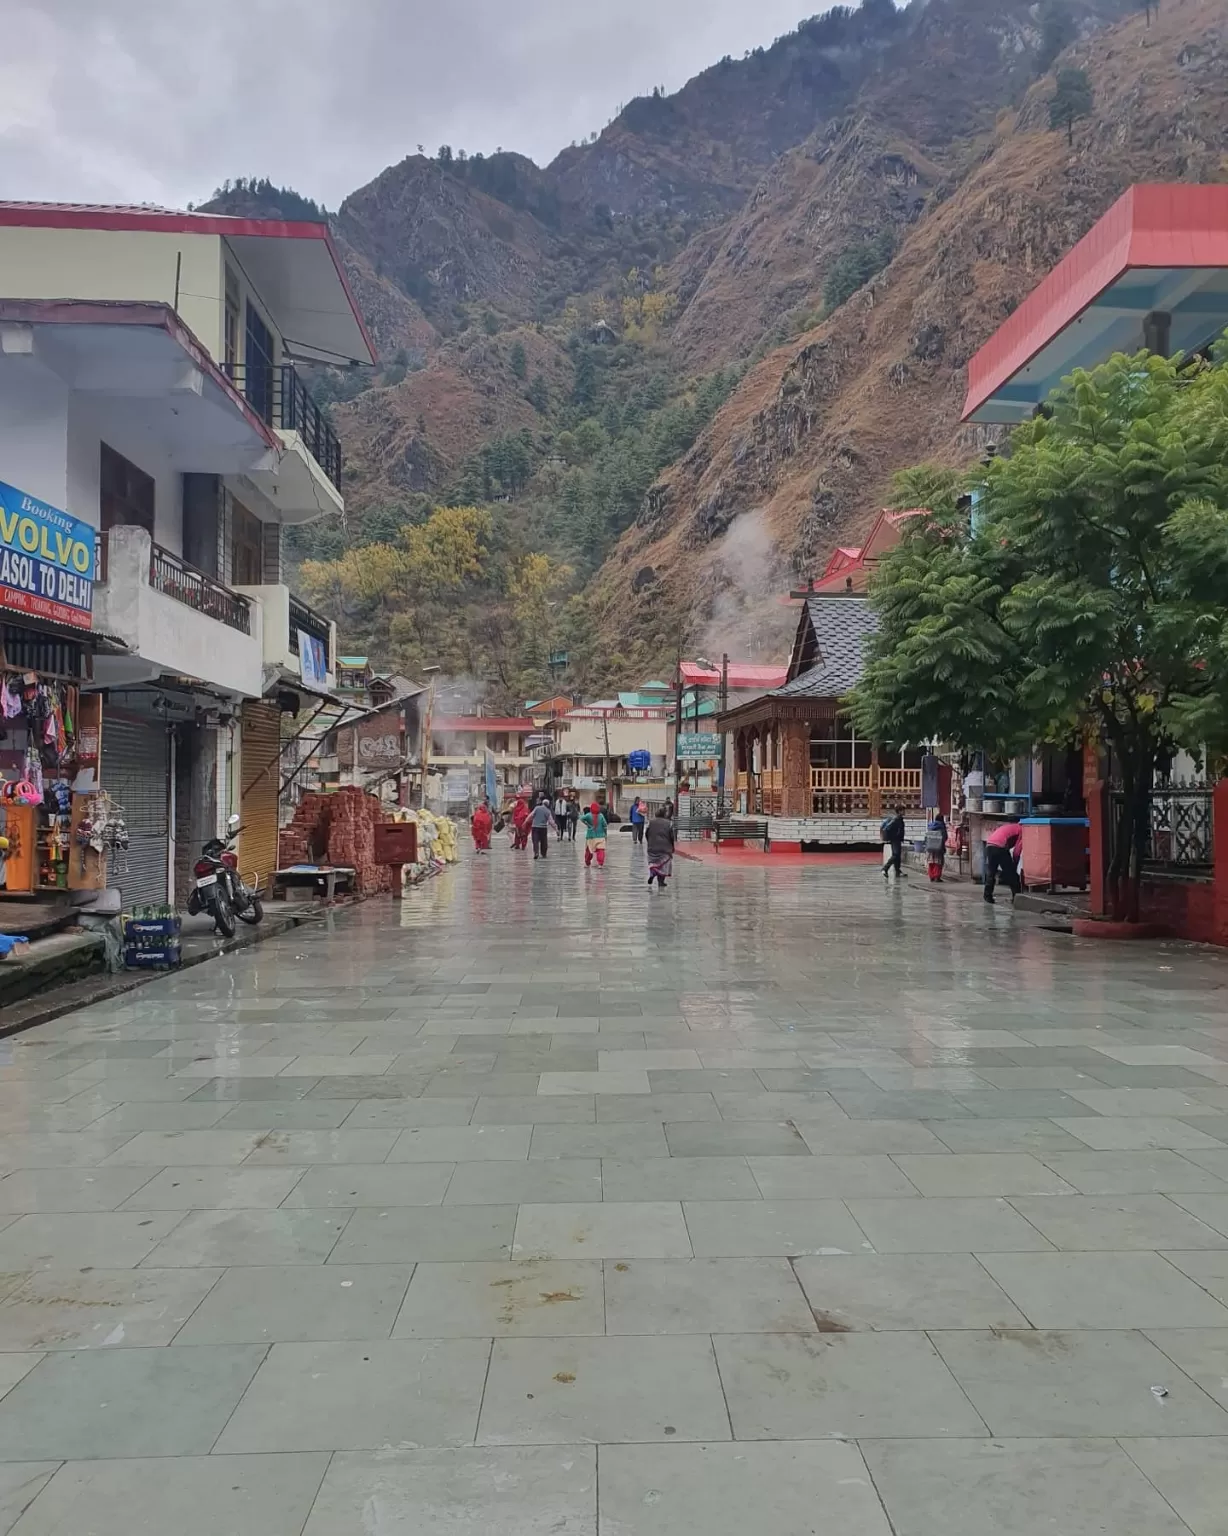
[1071, 100]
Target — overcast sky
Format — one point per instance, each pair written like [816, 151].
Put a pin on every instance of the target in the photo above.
[160, 100]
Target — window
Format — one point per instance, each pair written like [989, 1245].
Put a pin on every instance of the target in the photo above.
[498, 743]
[125, 499]
[245, 547]
[230, 332]
[258, 360]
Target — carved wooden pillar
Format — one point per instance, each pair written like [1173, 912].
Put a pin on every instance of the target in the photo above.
[875, 805]
[795, 745]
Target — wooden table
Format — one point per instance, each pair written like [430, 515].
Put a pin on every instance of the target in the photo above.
[322, 878]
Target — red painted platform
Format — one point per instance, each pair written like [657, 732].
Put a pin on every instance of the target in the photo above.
[755, 858]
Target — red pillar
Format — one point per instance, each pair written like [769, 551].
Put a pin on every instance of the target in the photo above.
[1219, 811]
[1097, 796]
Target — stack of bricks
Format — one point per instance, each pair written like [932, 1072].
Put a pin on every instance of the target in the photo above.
[294, 843]
[353, 815]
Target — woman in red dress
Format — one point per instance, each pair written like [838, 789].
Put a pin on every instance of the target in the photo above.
[480, 825]
[521, 817]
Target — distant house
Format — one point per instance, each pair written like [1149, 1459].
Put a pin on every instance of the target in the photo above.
[603, 334]
[849, 570]
[701, 685]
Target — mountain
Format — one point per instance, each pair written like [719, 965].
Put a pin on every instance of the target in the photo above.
[688, 355]
[809, 441]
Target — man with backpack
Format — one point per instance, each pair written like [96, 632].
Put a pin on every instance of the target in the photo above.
[893, 833]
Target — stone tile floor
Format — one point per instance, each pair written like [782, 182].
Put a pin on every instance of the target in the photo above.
[776, 1200]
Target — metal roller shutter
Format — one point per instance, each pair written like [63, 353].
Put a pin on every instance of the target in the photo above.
[260, 780]
[135, 772]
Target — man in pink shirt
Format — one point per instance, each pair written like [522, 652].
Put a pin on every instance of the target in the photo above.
[1001, 850]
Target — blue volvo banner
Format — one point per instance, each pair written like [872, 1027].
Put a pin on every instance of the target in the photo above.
[46, 560]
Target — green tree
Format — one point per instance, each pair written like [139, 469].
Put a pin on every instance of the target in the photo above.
[587, 385]
[519, 361]
[854, 268]
[538, 394]
[1090, 597]
[1071, 100]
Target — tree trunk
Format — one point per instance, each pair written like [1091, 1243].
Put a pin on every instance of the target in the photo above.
[1117, 878]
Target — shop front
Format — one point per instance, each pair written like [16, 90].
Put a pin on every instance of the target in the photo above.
[57, 825]
[260, 769]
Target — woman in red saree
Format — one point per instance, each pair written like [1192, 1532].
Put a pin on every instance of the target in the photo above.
[480, 826]
[521, 817]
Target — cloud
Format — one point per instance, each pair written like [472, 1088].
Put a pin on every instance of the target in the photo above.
[161, 100]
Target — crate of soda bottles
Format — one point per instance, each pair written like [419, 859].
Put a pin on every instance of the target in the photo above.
[152, 938]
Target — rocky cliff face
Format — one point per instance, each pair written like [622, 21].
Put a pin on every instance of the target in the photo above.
[809, 442]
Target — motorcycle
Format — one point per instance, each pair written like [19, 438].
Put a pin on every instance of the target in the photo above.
[220, 889]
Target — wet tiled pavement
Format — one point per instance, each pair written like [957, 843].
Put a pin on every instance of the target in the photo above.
[778, 1200]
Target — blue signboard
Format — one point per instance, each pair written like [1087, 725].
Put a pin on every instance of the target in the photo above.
[46, 560]
[491, 785]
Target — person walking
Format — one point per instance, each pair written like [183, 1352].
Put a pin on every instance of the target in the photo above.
[893, 831]
[560, 814]
[594, 836]
[480, 826]
[573, 816]
[936, 846]
[637, 819]
[661, 840]
[521, 816]
[542, 820]
[1001, 850]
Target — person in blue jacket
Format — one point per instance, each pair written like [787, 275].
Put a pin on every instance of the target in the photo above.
[637, 819]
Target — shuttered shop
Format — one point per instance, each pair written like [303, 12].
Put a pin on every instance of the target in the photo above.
[260, 778]
[135, 772]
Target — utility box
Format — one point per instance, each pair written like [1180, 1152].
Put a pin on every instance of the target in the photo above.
[396, 842]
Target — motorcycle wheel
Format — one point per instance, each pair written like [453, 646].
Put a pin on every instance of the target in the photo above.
[223, 915]
[253, 912]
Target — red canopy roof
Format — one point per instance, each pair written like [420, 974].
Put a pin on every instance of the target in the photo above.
[742, 674]
[1159, 248]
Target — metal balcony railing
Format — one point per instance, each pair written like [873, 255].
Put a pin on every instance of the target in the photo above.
[1180, 834]
[279, 397]
[173, 577]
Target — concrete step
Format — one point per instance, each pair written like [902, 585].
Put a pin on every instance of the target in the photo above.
[50, 962]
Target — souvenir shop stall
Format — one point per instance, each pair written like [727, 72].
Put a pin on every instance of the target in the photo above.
[58, 828]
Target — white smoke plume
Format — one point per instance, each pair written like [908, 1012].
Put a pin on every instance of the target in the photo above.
[746, 618]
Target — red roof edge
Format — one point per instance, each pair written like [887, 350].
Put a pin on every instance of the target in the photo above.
[349, 293]
[1090, 267]
[1154, 224]
[176, 222]
[135, 312]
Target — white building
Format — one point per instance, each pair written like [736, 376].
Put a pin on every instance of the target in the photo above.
[596, 743]
[149, 390]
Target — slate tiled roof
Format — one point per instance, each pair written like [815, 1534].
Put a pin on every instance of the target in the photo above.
[842, 625]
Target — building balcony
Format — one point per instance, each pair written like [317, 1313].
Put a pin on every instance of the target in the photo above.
[175, 620]
[288, 621]
[307, 482]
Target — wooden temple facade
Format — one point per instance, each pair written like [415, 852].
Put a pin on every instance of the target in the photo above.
[796, 754]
